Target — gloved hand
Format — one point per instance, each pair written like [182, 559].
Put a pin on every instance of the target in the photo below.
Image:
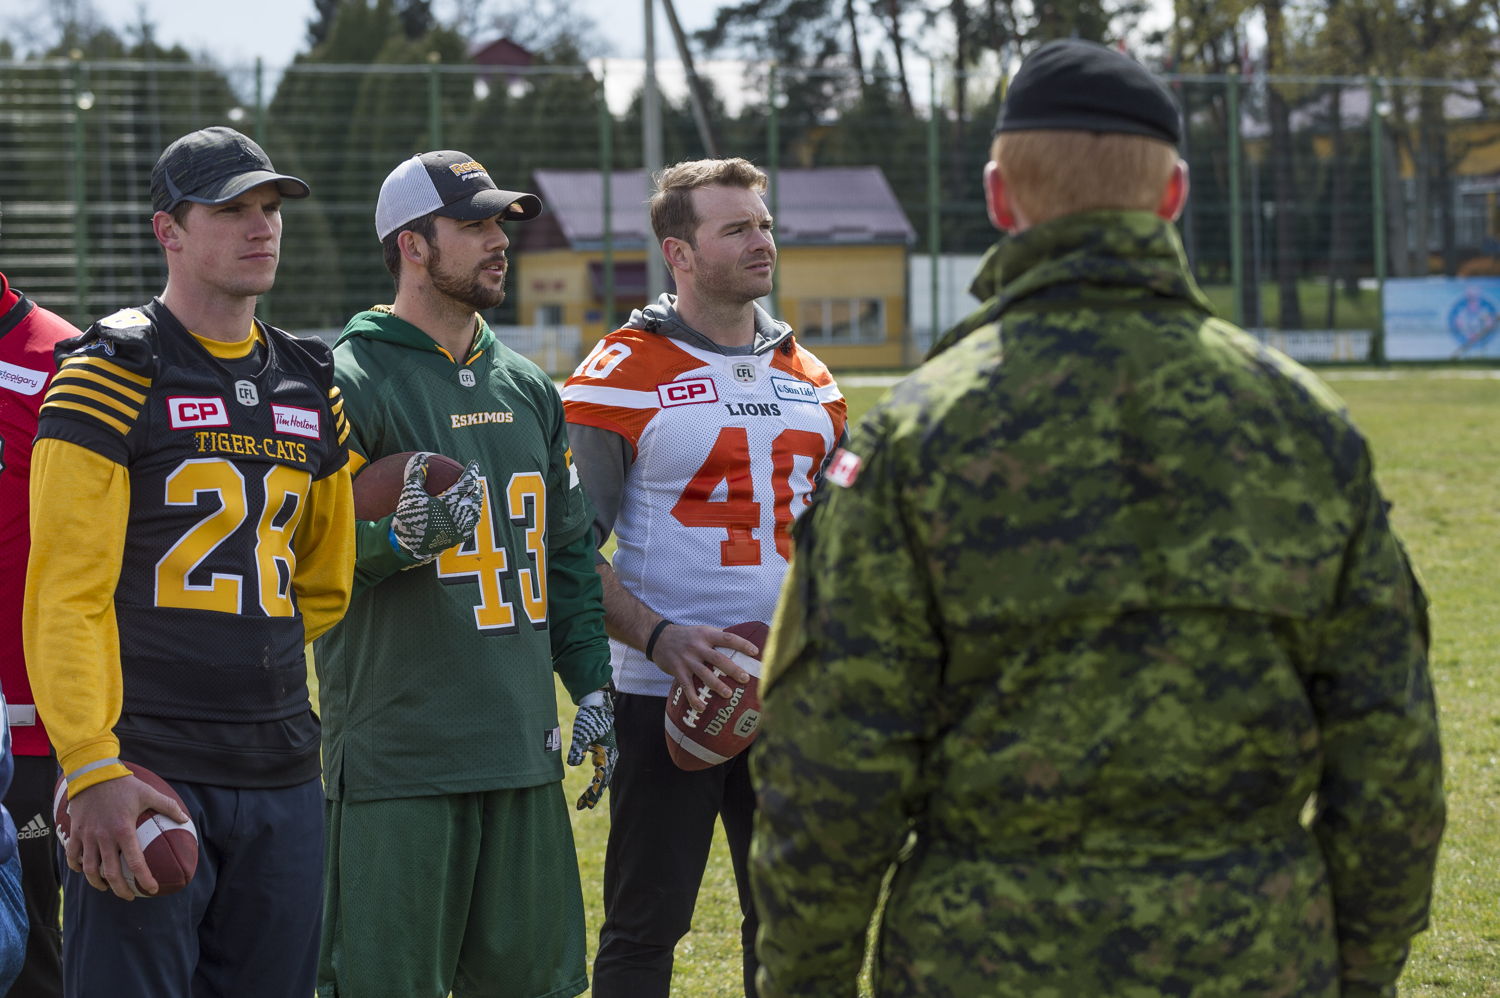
[594, 736]
[424, 526]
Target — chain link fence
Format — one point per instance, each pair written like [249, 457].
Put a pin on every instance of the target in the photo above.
[1308, 194]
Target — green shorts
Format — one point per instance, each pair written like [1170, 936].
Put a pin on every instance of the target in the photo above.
[477, 893]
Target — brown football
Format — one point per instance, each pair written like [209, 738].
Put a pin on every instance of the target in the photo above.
[377, 486]
[171, 849]
[700, 739]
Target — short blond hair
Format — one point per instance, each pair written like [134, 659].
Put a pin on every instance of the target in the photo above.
[672, 212]
[1054, 173]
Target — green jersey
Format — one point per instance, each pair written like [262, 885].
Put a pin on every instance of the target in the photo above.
[439, 678]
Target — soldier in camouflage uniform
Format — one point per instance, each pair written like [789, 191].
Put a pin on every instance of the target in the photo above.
[1100, 645]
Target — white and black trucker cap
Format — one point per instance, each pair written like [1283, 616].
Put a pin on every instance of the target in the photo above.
[449, 183]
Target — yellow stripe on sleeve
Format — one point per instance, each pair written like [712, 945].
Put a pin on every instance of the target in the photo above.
[57, 392]
[105, 365]
[71, 374]
[88, 410]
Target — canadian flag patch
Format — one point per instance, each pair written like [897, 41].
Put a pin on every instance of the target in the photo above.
[844, 467]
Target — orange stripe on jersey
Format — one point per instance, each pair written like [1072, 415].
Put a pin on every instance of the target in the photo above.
[635, 360]
[806, 367]
[803, 365]
[628, 423]
[614, 388]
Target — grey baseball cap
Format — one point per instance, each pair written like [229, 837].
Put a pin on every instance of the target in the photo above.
[214, 165]
[450, 183]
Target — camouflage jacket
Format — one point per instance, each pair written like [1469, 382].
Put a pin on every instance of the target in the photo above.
[1104, 650]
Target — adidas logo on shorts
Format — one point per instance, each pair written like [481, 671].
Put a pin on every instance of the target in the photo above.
[36, 828]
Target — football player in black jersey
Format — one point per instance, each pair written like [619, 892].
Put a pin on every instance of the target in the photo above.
[193, 530]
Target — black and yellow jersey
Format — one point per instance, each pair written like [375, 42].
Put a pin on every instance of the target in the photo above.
[224, 461]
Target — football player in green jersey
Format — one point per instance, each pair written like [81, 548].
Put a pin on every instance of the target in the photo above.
[450, 854]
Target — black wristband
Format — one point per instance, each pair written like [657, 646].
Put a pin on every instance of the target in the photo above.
[655, 633]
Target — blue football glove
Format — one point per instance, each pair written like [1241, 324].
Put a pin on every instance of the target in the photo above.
[594, 737]
[425, 526]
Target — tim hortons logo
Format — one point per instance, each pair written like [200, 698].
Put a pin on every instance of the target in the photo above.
[297, 421]
[184, 412]
[689, 392]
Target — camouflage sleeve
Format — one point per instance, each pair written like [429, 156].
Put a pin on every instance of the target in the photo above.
[1381, 809]
[852, 670]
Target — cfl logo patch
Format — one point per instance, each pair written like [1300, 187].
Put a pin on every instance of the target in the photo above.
[690, 392]
[245, 393]
[184, 412]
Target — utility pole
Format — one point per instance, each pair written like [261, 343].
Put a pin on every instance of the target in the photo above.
[696, 93]
[656, 268]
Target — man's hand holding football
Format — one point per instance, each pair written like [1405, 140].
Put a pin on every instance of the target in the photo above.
[689, 654]
[102, 819]
[424, 526]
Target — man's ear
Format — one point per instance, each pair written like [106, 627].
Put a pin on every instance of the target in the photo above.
[997, 199]
[412, 246]
[1174, 197]
[678, 253]
[167, 231]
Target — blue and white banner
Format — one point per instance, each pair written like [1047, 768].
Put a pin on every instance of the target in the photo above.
[1442, 318]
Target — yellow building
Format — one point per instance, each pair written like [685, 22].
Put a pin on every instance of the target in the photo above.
[842, 242]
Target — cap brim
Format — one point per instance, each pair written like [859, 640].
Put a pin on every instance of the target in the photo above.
[515, 206]
[233, 187]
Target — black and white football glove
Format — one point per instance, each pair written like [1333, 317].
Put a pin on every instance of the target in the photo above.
[425, 526]
[594, 737]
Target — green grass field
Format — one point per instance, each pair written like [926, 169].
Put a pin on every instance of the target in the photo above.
[1434, 436]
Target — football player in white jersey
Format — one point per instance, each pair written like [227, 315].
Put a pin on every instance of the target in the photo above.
[699, 430]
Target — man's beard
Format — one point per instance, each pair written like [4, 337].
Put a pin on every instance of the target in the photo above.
[731, 283]
[466, 288]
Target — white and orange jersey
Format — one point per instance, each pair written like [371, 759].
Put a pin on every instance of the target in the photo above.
[726, 450]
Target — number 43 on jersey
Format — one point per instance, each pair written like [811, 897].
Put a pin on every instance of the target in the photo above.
[487, 561]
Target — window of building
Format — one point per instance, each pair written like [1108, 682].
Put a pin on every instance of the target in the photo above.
[841, 320]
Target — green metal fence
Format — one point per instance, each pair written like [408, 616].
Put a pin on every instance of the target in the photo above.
[1307, 192]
